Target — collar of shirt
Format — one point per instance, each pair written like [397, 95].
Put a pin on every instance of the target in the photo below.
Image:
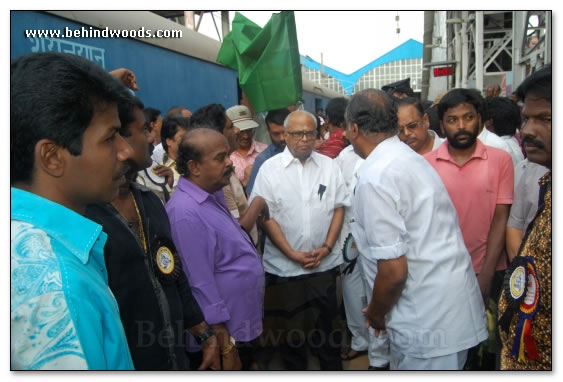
[251, 150]
[288, 158]
[442, 153]
[77, 233]
[380, 148]
[198, 194]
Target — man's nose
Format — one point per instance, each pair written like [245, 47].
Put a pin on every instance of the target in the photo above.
[124, 150]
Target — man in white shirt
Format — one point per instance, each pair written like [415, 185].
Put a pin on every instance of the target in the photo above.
[425, 293]
[414, 126]
[356, 289]
[503, 119]
[306, 195]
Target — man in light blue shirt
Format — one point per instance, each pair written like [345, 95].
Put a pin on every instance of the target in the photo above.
[65, 153]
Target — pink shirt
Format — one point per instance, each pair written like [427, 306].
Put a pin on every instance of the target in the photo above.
[476, 188]
[240, 162]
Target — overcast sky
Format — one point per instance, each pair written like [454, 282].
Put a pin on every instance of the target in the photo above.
[347, 39]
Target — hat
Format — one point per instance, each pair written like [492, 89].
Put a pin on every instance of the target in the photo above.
[240, 115]
[402, 86]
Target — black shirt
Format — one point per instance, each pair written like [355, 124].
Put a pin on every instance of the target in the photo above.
[154, 313]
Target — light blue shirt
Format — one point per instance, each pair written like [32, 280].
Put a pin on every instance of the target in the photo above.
[63, 314]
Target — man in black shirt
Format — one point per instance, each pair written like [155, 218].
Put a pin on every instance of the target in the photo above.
[145, 273]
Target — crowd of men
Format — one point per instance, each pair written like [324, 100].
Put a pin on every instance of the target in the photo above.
[185, 242]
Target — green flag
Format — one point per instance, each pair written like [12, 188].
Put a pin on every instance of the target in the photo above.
[266, 59]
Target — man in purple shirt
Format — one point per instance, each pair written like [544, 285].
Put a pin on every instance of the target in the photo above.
[225, 272]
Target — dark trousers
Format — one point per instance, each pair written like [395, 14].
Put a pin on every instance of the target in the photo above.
[246, 352]
[299, 312]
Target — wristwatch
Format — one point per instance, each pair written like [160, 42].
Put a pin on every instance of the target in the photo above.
[205, 335]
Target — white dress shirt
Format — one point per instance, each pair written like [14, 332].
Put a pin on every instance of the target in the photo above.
[437, 140]
[301, 199]
[514, 147]
[403, 208]
[349, 162]
[491, 139]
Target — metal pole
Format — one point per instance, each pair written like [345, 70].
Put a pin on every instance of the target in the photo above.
[519, 20]
[225, 25]
[547, 59]
[464, 50]
[427, 52]
[189, 19]
[479, 64]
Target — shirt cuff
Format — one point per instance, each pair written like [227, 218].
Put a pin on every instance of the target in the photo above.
[216, 313]
[389, 253]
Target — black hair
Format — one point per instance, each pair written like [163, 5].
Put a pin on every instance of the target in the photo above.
[151, 115]
[460, 96]
[213, 115]
[277, 116]
[170, 126]
[335, 110]
[434, 120]
[126, 116]
[505, 115]
[54, 96]
[373, 110]
[410, 101]
[538, 84]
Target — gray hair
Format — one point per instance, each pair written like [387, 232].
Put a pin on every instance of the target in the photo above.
[286, 121]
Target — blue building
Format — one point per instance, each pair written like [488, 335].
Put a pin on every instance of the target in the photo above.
[402, 62]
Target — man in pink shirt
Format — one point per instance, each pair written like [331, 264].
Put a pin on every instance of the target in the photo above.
[248, 149]
[480, 182]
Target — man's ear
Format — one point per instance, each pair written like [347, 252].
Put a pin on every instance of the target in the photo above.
[51, 158]
[194, 168]
[426, 121]
[353, 132]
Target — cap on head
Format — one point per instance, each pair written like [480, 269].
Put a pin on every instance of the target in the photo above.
[241, 117]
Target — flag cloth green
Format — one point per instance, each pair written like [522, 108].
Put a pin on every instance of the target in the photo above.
[266, 59]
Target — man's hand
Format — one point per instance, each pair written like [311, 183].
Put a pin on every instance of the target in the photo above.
[165, 172]
[264, 214]
[374, 320]
[126, 77]
[319, 254]
[306, 259]
[211, 358]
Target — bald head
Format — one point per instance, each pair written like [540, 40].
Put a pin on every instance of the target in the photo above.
[203, 158]
[373, 111]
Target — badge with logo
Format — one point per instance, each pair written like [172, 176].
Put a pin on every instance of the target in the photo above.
[166, 260]
[522, 292]
[350, 251]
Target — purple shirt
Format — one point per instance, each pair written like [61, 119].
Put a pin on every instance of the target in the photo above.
[224, 270]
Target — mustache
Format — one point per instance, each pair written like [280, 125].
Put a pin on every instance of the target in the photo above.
[462, 132]
[532, 141]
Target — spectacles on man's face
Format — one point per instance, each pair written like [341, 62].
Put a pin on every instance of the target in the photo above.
[310, 134]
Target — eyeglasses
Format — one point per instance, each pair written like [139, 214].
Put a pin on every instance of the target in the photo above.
[310, 134]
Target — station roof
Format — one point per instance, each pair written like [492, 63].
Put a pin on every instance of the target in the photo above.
[409, 49]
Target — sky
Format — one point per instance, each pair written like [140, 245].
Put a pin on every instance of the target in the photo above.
[347, 40]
